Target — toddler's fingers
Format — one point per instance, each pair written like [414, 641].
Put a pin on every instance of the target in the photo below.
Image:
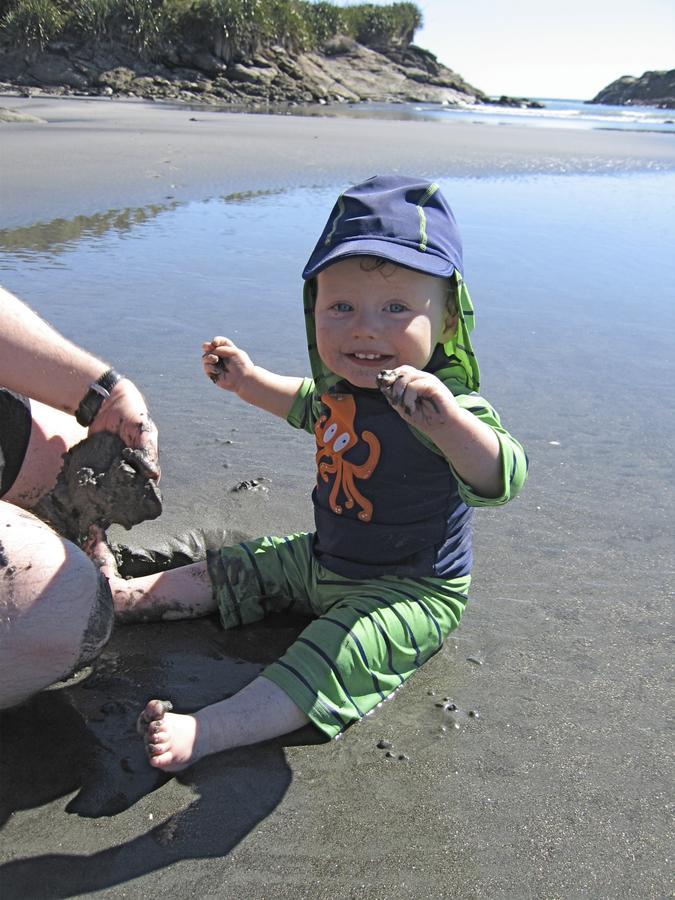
[220, 341]
[214, 372]
[396, 385]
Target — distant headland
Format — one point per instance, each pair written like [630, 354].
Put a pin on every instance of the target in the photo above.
[251, 54]
[650, 89]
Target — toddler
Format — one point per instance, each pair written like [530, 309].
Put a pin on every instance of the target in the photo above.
[406, 448]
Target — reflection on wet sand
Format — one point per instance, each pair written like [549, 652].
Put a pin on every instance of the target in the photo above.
[61, 235]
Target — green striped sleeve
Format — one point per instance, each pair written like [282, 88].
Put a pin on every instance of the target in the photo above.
[513, 457]
[302, 413]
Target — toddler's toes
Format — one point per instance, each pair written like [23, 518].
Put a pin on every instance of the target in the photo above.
[96, 547]
[163, 760]
[169, 738]
[153, 712]
[157, 748]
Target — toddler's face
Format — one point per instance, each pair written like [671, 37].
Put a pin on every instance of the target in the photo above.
[368, 319]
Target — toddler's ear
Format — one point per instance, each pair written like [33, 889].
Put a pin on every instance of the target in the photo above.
[449, 327]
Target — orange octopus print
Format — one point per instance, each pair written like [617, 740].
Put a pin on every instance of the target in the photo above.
[335, 435]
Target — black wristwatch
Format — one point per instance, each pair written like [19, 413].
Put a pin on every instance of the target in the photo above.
[92, 401]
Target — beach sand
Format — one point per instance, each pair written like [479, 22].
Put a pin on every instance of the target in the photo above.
[550, 779]
[89, 156]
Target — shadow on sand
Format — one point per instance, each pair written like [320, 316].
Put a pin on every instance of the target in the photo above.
[82, 738]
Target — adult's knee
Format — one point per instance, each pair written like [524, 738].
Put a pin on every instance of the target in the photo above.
[55, 611]
[99, 625]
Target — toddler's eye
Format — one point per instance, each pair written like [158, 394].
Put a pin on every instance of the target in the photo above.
[341, 307]
[396, 307]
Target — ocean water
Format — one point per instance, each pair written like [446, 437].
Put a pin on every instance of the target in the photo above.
[556, 113]
[573, 278]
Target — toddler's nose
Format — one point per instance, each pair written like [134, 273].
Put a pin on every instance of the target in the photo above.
[364, 325]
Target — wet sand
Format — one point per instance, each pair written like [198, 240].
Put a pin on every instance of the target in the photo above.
[91, 156]
[550, 778]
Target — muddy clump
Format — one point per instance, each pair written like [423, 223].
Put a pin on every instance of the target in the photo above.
[102, 482]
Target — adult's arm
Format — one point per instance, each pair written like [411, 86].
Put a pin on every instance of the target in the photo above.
[38, 361]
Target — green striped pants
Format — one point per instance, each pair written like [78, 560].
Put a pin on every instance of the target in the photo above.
[365, 638]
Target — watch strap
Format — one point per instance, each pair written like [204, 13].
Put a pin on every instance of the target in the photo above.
[98, 392]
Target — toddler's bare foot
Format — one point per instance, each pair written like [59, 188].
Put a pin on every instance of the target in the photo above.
[170, 739]
[98, 551]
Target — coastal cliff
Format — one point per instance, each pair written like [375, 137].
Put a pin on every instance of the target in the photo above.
[252, 54]
[342, 71]
[651, 89]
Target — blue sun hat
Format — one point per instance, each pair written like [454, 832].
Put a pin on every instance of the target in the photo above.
[407, 221]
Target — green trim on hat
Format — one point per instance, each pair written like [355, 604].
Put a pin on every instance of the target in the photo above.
[340, 213]
[431, 190]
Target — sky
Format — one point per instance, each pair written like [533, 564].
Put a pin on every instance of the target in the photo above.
[568, 49]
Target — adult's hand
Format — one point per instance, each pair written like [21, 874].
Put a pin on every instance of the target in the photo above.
[124, 413]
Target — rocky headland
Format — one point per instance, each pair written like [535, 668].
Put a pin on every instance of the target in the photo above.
[651, 89]
[342, 70]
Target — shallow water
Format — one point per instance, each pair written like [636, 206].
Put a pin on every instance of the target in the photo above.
[554, 113]
[572, 277]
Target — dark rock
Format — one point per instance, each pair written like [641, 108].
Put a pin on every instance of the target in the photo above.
[516, 102]
[251, 484]
[56, 70]
[344, 71]
[650, 89]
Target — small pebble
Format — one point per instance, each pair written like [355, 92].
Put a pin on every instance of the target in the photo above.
[451, 706]
[384, 745]
[474, 714]
[431, 693]
[403, 756]
[389, 754]
[440, 704]
[477, 661]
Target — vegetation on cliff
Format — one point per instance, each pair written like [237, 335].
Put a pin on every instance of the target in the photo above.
[231, 29]
[250, 53]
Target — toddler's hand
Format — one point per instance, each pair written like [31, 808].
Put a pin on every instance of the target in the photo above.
[225, 364]
[418, 397]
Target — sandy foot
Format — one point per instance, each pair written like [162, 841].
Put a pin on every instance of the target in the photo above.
[170, 739]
